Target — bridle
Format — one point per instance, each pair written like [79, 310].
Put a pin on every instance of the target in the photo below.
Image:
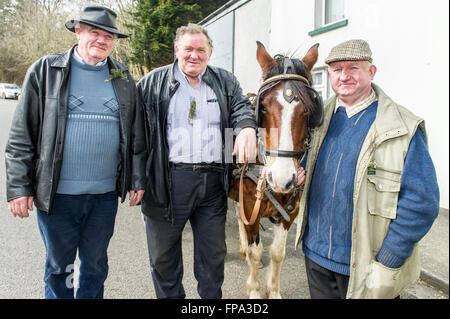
[289, 96]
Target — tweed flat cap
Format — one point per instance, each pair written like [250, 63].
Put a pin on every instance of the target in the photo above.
[351, 50]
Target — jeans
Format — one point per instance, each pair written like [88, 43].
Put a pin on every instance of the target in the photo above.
[201, 199]
[83, 223]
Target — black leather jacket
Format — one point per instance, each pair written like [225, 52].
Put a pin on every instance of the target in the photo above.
[34, 151]
[155, 91]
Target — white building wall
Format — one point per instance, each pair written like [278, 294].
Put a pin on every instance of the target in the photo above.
[409, 41]
[252, 23]
[408, 38]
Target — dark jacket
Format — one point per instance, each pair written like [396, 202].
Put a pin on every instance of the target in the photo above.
[155, 91]
[34, 151]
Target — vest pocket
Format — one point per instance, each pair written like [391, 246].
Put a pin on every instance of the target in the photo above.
[383, 196]
[382, 282]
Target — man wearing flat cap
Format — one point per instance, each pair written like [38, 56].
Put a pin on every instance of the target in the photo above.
[370, 191]
[76, 144]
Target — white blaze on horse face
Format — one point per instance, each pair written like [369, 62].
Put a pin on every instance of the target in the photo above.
[283, 169]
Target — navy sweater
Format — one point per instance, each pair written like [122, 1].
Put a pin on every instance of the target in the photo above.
[327, 238]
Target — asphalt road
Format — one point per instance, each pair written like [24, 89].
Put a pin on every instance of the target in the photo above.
[22, 253]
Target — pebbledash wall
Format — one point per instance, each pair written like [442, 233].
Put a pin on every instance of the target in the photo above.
[408, 38]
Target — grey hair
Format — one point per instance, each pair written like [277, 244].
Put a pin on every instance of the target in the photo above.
[192, 28]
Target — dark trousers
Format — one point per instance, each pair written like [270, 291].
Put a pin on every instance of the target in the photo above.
[324, 283]
[200, 198]
[83, 223]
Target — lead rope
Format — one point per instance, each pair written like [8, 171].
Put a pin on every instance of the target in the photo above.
[259, 196]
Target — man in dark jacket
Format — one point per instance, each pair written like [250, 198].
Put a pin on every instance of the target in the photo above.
[190, 109]
[76, 144]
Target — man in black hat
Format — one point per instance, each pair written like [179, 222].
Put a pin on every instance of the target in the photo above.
[76, 144]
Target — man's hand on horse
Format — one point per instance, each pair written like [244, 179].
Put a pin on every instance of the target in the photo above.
[20, 206]
[245, 146]
[301, 175]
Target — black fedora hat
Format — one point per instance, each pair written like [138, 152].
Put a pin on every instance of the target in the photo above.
[99, 17]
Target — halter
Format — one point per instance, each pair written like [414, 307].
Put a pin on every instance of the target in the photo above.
[289, 96]
[261, 190]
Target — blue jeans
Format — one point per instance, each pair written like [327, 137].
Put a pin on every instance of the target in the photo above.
[77, 222]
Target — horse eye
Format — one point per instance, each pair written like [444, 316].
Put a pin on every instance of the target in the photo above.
[262, 109]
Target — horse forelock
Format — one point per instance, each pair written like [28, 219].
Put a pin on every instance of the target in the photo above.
[300, 89]
[278, 68]
[304, 92]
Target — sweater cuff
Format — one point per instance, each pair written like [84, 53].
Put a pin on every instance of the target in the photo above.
[388, 259]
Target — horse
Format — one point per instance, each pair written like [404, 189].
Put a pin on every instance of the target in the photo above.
[286, 109]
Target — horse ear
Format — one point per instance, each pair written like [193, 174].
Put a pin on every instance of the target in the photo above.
[311, 57]
[264, 59]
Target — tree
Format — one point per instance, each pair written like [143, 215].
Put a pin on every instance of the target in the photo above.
[207, 6]
[154, 30]
[155, 24]
[30, 30]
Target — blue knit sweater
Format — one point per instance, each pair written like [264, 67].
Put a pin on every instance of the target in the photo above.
[327, 238]
[91, 147]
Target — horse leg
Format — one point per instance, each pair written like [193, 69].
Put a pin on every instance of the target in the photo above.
[243, 242]
[254, 253]
[277, 253]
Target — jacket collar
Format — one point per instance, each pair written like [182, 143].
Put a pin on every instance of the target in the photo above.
[174, 83]
[388, 122]
[63, 60]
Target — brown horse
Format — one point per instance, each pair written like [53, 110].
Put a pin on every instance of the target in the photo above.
[286, 108]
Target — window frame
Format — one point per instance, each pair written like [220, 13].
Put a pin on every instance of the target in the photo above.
[324, 27]
[325, 87]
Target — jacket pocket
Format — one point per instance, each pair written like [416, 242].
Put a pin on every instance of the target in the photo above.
[383, 282]
[382, 198]
[383, 195]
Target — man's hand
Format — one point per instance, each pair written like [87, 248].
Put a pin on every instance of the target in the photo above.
[301, 175]
[136, 196]
[245, 146]
[20, 206]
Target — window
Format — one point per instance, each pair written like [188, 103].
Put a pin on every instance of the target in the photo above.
[328, 15]
[321, 83]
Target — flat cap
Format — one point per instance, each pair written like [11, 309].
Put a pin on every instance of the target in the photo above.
[351, 50]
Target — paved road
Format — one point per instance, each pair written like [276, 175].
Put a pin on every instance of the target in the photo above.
[22, 253]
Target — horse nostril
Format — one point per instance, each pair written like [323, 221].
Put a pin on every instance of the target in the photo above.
[292, 182]
[288, 185]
